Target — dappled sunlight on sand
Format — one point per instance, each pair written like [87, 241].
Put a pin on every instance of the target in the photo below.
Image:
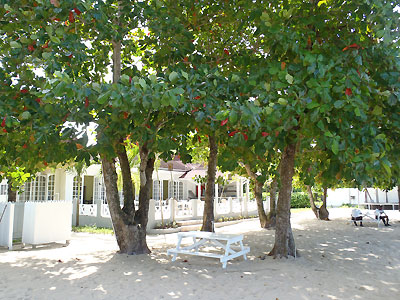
[336, 261]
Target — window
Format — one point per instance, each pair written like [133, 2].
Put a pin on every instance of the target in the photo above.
[175, 190]
[25, 194]
[39, 192]
[3, 189]
[50, 187]
[77, 188]
[99, 190]
[157, 190]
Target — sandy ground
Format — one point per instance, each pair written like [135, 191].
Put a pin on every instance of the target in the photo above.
[337, 261]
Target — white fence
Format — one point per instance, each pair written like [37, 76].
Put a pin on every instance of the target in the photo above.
[6, 224]
[46, 222]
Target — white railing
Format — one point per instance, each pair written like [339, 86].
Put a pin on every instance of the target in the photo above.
[105, 211]
[223, 206]
[183, 208]
[165, 207]
[88, 210]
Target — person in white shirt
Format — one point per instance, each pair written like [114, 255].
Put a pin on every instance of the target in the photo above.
[356, 215]
[379, 213]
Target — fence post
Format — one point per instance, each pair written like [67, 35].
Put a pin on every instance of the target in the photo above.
[152, 214]
[194, 207]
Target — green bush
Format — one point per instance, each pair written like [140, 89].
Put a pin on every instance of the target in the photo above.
[300, 200]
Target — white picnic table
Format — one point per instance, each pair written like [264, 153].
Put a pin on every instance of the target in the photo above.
[231, 244]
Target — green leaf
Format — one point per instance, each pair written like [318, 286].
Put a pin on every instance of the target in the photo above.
[377, 110]
[289, 78]
[104, 98]
[335, 147]
[25, 115]
[235, 78]
[267, 86]
[125, 79]
[153, 79]
[15, 45]
[46, 55]
[387, 167]
[282, 101]
[312, 104]
[233, 117]
[338, 104]
[143, 84]
[380, 136]
[173, 77]
[357, 112]
[328, 133]
[55, 39]
[185, 75]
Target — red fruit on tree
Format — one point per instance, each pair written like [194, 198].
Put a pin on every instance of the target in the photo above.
[232, 133]
[31, 48]
[283, 65]
[38, 100]
[24, 91]
[3, 124]
[71, 17]
[264, 134]
[86, 102]
[130, 79]
[197, 97]
[185, 59]
[77, 11]
[4, 130]
[199, 139]
[348, 92]
[126, 115]
[46, 45]
[245, 136]
[226, 51]
[25, 146]
[224, 122]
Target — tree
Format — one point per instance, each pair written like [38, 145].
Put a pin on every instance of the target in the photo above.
[326, 71]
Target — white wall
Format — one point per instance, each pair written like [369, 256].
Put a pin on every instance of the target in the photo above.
[339, 197]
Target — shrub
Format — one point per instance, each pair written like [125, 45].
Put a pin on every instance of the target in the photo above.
[300, 200]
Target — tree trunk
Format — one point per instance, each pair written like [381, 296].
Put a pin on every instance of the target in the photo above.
[314, 208]
[11, 194]
[208, 215]
[323, 211]
[129, 197]
[398, 194]
[260, 205]
[130, 234]
[258, 194]
[271, 217]
[284, 241]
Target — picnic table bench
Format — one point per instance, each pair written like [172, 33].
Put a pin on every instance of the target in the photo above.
[202, 238]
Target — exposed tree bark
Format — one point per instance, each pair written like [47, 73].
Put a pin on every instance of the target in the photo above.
[258, 194]
[314, 208]
[323, 210]
[129, 196]
[271, 217]
[130, 228]
[284, 241]
[208, 215]
[398, 194]
[11, 194]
